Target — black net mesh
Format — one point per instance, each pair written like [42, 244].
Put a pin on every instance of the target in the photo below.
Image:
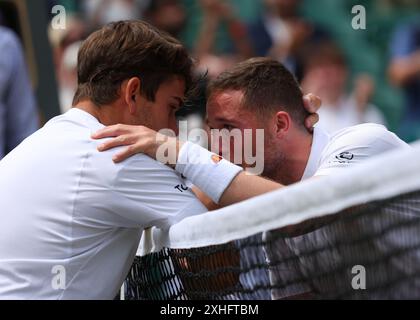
[370, 251]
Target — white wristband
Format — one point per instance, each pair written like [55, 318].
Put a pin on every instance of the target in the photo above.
[209, 172]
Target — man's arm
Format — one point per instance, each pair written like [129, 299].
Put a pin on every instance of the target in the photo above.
[403, 69]
[245, 186]
[222, 181]
[137, 193]
[205, 200]
[405, 56]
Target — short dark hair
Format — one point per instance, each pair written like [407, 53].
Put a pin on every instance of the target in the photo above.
[267, 86]
[126, 49]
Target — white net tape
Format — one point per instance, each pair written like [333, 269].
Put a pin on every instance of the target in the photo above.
[385, 176]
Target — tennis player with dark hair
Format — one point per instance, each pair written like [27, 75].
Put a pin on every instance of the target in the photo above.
[71, 218]
[260, 94]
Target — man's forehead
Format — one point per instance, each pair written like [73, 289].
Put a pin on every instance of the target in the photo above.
[226, 100]
[228, 95]
[228, 106]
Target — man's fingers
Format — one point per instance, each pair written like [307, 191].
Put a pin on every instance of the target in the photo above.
[123, 140]
[125, 154]
[312, 102]
[111, 131]
[311, 120]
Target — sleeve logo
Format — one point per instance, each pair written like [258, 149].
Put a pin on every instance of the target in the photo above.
[345, 156]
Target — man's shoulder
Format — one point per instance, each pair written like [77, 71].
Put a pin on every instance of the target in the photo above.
[366, 135]
[139, 162]
[359, 143]
[139, 169]
[355, 145]
[77, 126]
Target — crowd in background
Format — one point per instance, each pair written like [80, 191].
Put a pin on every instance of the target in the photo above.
[370, 75]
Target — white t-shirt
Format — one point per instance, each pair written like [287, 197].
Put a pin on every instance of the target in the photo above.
[348, 147]
[67, 209]
[329, 155]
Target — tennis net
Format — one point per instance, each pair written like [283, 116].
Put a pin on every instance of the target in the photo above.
[355, 235]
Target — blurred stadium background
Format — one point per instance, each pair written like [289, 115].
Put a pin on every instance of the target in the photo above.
[356, 72]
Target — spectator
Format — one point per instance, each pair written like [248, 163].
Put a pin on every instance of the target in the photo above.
[215, 13]
[326, 75]
[101, 12]
[68, 76]
[18, 114]
[167, 15]
[281, 33]
[65, 44]
[404, 71]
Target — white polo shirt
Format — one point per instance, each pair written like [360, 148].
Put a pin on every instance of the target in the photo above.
[348, 147]
[329, 155]
[71, 219]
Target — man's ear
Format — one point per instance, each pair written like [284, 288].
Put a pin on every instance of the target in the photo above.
[131, 94]
[283, 122]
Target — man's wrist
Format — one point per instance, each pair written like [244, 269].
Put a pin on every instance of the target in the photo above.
[209, 172]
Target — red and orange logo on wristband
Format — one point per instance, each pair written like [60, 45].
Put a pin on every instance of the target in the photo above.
[216, 159]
